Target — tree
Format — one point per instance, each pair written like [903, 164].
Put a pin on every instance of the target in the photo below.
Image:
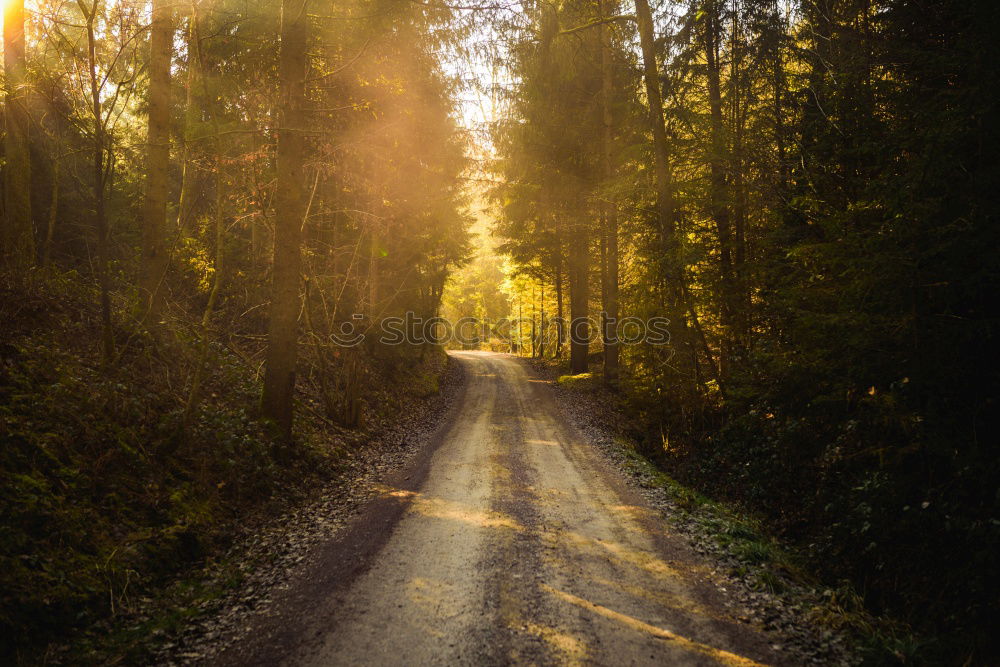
[154, 250]
[282, 336]
[18, 240]
[549, 162]
[194, 85]
[610, 255]
[102, 160]
[718, 159]
[677, 304]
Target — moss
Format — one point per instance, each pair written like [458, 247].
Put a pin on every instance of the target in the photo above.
[580, 382]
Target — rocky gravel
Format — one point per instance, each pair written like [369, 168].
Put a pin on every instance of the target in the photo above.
[788, 617]
[267, 559]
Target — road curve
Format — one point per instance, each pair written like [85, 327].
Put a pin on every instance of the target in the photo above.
[511, 542]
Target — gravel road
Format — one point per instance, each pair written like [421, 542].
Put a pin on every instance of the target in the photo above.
[508, 540]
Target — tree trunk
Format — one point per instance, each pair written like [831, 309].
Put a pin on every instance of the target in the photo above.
[678, 304]
[50, 230]
[579, 335]
[778, 87]
[99, 182]
[190, 181]
[520, 319]
[610, 273]
[542, 333]
[560, 320]
[661, 155]
[719, 190]
[279, 377]
[738, 195]
[18, 239]
[154, 247]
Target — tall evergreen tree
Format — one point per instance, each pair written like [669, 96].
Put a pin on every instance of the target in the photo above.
[154, 250]
[290, 207]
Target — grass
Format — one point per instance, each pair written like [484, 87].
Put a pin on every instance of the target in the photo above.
[190, 597]
[740, 535]
[580, 382]
[778, 570]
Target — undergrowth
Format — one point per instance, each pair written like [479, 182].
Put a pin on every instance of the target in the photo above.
[748, 542]
[778, 568]
[105, 498]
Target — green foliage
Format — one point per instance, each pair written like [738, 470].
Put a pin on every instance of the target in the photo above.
[117, 475]
[838, 222]
[103, 498]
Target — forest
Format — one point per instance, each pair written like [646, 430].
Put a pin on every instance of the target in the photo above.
[210, 209]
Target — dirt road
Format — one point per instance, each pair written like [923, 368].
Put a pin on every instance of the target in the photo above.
[511, 541]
